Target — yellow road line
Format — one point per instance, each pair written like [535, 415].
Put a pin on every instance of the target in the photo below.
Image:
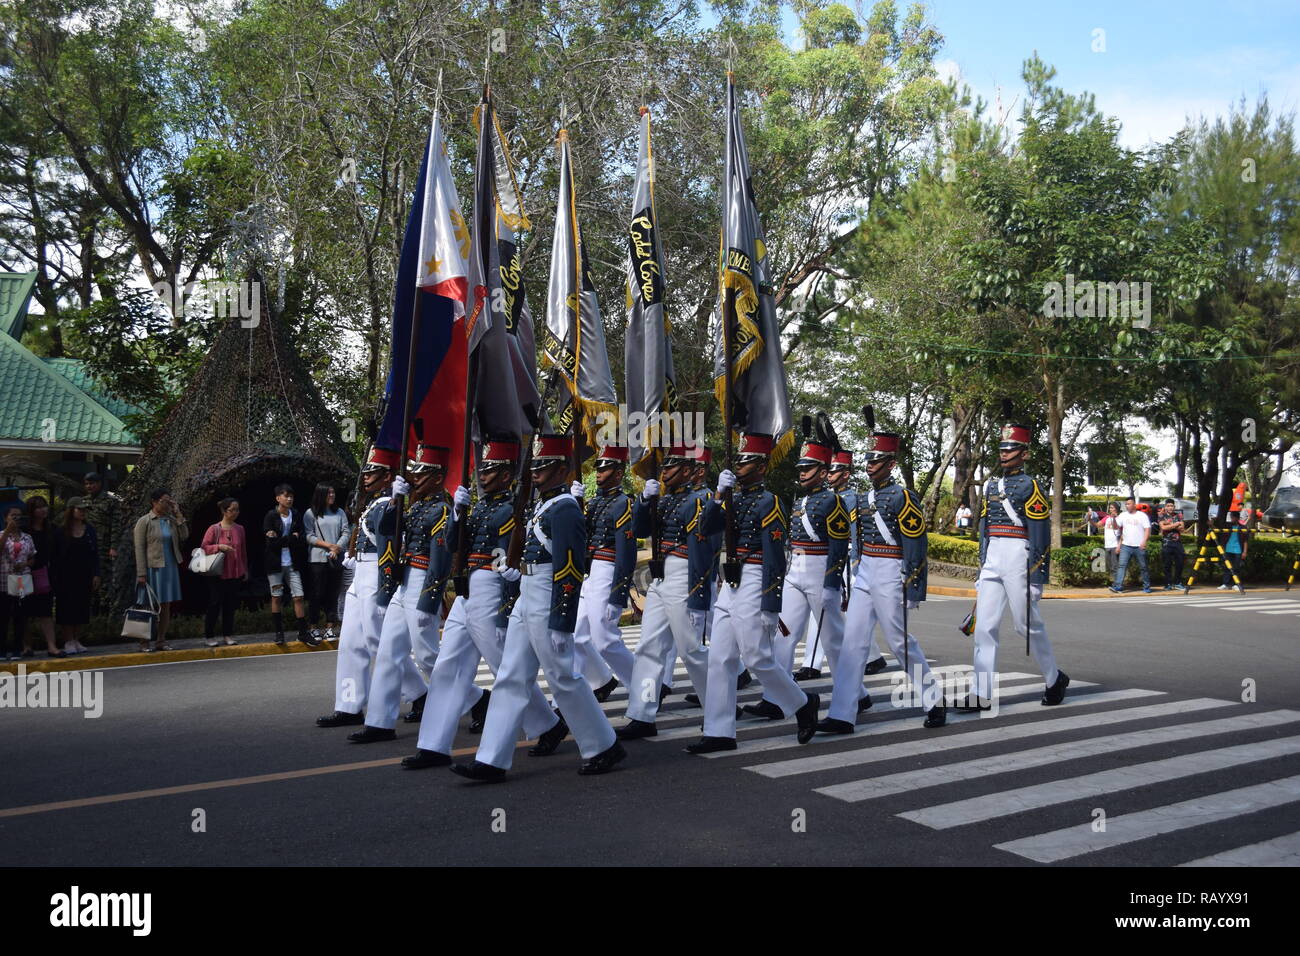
[216, 784]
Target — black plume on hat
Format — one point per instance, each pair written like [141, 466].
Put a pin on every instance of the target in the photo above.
[828, 435]
[869, 414]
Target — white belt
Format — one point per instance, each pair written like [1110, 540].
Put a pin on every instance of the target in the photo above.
[365, 557]
[539, 567]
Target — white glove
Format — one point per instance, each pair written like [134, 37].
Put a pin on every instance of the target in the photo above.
[349, 563]
[651, 489]
[726, 479]
[612, 614]
[913, 605]
[770, 618]
[400, 486]
[510, 574]
[461, 498]
[830, 596]
[560, 640]
[577, 489]
[697, 618]
[423, 620]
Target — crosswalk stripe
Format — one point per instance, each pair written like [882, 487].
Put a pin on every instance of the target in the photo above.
[973, 810]
[1214, 808]
[1259, 605]
[745, 748]
[1295, 610]
[857, 790]
[693, 730]
[976, 738]
[1280, 851]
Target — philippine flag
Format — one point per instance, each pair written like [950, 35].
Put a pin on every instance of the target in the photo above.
[433, 268]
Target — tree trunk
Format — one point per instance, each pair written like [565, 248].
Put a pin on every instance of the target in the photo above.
[1180, 459]
[1055, 421]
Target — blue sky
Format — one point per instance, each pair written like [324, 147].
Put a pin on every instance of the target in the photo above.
[1162, 60]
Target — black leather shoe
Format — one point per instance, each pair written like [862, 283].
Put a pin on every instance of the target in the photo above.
[636, 729]
[548, 742]
[603, 691]
[372, 735]
[937, 717]
[1056, 693]
[807, 718]
[693, 700]
[764, 708]
[744, 679]
[664, 691]
[425, 758]
[973, 705]
[340, 718]
[417, 709]
[604, 761]
[864, 704]
[709, 745]
[478, 713]
[807, 673]
[478, 771]
[830, 725]
[876, 666]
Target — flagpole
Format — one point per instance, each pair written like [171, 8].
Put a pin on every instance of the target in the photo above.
[730, 567]
[460, 552]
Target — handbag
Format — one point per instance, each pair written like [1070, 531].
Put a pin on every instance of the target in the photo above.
[19, 585]
[209, 565]
[40, 580]
[141, 622]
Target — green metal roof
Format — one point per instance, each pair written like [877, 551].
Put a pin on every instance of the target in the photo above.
[15, 293]
[36, 390]
[75, 372]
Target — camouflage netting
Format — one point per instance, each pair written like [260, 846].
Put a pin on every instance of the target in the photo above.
[251, 417]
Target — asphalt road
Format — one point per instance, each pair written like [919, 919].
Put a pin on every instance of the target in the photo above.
[1155, 719]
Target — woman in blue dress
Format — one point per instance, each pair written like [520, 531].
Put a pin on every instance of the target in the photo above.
[159, 534]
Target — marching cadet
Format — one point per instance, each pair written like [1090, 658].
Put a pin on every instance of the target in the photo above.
[411, 620]
[611, 559]
[746, 615]
[541, 630]
[1015, 537]
[819, 547]
[475, 627]
[363, 611]
[831, 634]
[892, 571]
[676, 606]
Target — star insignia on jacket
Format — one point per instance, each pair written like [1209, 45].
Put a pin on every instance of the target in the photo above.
[568, 588]
[838, 525]
[910, 522]
[776, 535]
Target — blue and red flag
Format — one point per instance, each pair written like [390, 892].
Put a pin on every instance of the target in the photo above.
[433, 267]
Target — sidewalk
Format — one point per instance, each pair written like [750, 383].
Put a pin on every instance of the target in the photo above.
[957, 587]
[127, 654]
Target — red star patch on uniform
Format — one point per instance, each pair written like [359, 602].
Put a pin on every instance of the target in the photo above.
[776, 535]
[568, 588]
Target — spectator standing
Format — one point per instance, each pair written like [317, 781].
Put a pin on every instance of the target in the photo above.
[225, 537]
[1134, 529]
[327, 529]
[16, 551]
[40, 606]
[1235, 547]
[104, 512]
[77, 574]
[1110, 538]
[1172, 555]
[157, 538]
[963, 519]
[286, 561]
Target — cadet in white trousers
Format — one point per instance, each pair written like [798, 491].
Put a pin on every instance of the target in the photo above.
[1015, 537]
[746, 613]
[672, 624]
[894, 552]
[411, 621]
[363, 612]
[541, 630]
[819, 546]
[476, 624]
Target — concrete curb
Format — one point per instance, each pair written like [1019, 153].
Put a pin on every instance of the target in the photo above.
[946, 591]
[85, 662]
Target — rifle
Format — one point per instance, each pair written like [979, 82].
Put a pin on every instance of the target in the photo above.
[730, 566]
[515, 549]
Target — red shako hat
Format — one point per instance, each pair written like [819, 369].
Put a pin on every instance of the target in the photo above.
[842, 461]
[1014, 436]
[883, 445]
[549, 448]
[499, 451]
[814, 454]
[427, 458]
[754, 445]
[611, 455]
[380, 459]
